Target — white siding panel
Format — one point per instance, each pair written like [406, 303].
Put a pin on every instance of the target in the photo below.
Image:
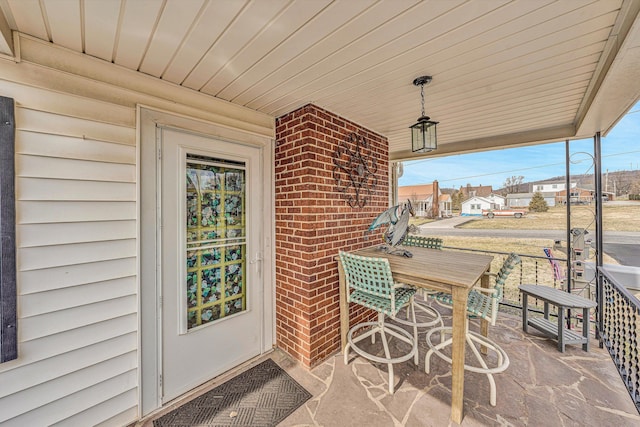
[70, 394]
[74, 232]
[77, 317]
[68, 105]
[76, 274]
[46, 167]
[43, 144]
[54, 189]
[102, 414]
[55, 124]
[51, 346]
[58, 411]
[49, 369]
[56, 256]
[62, 299]
[44, 212]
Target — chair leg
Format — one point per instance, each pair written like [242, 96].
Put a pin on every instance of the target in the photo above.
[387, 354]
[415, 329]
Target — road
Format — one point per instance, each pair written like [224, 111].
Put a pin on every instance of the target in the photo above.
[623, 246]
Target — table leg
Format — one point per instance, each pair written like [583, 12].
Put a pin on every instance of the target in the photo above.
[459, 326]
[561, 329]
[344, 308]
[525, 303]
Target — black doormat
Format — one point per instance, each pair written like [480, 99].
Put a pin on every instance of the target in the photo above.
[259, 397]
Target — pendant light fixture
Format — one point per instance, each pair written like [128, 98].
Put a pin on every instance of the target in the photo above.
[423, 133]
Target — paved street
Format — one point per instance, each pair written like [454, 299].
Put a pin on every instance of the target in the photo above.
[623, 246]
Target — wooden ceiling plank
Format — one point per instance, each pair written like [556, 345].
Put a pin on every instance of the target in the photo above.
[251, 20]
[138, 21]
[65, 23]
[334, 85]
[212, 23]
[173, 26]
[364, 24]
[396, 40]
[466, 76]
[28, 18]
[283, 28]
[295, 49]
[100, 27]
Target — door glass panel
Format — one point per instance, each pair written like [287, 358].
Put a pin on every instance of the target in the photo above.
[216, 239]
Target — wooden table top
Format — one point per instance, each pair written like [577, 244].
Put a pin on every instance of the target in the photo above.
[433, 268]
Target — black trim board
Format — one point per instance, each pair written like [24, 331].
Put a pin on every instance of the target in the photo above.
[8, 296]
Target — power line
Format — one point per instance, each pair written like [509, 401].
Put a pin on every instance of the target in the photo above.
[524, 169]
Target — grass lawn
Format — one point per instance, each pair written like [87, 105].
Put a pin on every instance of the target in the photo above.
[615, 218]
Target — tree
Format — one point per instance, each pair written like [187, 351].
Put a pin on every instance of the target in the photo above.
[512, 184]
[456, 200]
[538, 203]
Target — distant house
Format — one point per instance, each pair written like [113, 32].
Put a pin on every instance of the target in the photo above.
[480, 191]
[427, 199]
[549, 186]
[522, 200]
[577, 196]
[475, 205]
[424, 197]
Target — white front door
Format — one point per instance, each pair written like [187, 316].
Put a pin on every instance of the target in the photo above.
[209, 261]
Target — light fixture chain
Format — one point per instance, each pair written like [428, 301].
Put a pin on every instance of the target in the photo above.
[422, 98]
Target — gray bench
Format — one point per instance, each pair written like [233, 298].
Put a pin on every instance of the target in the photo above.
[562, 300]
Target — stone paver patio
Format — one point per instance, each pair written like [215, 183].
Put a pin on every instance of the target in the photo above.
[541, 387]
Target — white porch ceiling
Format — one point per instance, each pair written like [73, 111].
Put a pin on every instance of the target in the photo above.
[504, 73]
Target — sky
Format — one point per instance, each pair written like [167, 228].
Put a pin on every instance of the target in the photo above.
[620, 151]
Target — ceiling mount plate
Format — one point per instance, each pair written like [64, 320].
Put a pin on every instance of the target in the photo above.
[422, 80]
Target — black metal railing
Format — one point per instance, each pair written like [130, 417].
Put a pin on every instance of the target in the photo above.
[619, 329]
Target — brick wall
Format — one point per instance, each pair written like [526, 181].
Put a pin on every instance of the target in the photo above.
[313, 222]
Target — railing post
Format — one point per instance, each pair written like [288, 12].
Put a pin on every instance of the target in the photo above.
[597, 173]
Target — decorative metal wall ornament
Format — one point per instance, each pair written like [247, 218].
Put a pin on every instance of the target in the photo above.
[355, 170]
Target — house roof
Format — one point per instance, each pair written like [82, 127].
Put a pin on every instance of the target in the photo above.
[504, 73]
[481, 190]
[415, 192]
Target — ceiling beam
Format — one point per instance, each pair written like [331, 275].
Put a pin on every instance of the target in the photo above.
[538, 136]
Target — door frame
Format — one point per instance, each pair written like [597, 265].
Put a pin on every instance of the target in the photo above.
[149, 315]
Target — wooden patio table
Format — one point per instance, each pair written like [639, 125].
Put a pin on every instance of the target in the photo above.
[448, 271]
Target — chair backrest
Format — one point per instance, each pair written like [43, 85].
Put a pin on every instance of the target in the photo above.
[368, 275]
[501, 277]
[423, 242]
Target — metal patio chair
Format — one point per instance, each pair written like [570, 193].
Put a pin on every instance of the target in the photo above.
[370, 284]
[482, 303]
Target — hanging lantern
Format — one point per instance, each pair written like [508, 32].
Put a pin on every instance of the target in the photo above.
[423, 133]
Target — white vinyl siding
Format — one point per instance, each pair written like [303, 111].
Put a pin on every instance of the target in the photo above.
[77, 232]
[75, 208]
